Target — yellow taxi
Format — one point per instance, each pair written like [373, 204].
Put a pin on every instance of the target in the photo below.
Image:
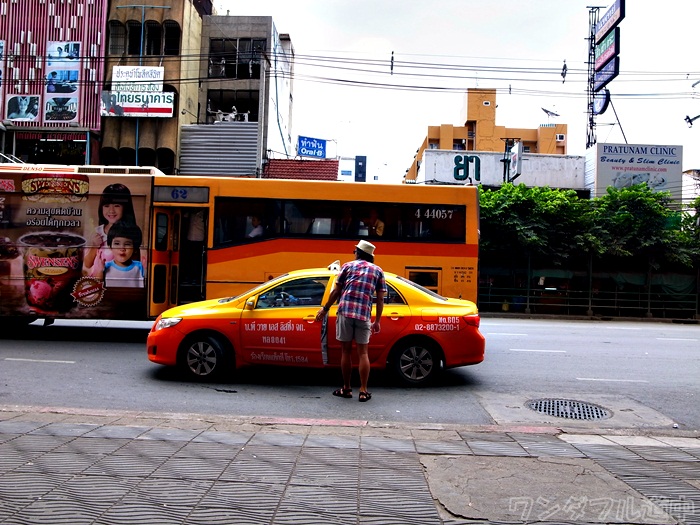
[421, 333]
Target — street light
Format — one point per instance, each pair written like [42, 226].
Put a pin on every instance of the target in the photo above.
[690, 121]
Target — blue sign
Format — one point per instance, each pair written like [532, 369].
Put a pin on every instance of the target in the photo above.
[604, 75]
[308, 147]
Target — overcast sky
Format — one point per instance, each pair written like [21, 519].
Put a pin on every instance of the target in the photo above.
[344, 90]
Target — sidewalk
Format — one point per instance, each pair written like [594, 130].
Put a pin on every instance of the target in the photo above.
[86, 467]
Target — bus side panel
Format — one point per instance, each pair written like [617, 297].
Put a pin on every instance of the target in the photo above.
[54, 257]
[233, 270]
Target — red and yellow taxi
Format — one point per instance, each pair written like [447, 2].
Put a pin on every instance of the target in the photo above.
[421, 333]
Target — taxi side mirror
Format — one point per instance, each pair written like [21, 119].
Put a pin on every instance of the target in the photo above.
[250, 304]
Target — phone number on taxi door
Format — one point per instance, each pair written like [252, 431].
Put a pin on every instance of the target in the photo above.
[435, 327]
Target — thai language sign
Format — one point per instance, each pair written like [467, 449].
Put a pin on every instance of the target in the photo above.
[308, 147]
[138, 78]
[130, 104]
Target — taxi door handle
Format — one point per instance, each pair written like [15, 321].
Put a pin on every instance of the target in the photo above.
[310, 318]
[395, 315]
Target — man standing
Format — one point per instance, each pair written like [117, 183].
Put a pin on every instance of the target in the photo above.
[355, 285]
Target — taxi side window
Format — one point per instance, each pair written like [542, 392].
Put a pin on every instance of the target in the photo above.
[391, 296]
[304, 291]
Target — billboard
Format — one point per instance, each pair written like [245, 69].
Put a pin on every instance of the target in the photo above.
[134, 104]
[137, 91]
[624, 165]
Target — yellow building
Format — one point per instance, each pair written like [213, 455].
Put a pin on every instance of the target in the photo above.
[480, 133]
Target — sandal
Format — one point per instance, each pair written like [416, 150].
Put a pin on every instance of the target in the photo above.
[364, 396]
[344, 392]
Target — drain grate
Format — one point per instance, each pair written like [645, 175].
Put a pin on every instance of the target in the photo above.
[568, 409]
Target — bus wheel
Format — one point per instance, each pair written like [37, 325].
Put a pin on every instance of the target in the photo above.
[416, 362]
[204, 357]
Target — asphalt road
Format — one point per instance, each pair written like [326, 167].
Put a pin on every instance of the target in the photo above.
[644, 374]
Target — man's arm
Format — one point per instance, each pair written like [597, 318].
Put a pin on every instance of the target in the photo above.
[332, 298]
[380, 309]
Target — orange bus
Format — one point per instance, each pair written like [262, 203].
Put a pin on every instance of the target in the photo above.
[113, 242]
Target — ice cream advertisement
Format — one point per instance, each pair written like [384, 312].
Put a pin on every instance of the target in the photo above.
[73, 245]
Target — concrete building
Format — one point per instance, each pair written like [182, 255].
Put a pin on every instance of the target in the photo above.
[243, 111]
[51, 74]
[480, 133]
[144, 39]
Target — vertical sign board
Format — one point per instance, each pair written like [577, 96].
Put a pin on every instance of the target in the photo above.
[607, 40]
[608, 48]
[606, 74]
[610, 19]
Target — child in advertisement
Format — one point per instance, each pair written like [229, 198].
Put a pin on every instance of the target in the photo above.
[115, 205]
[124, 270]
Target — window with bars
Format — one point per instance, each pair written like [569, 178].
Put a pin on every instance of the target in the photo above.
[117, 38]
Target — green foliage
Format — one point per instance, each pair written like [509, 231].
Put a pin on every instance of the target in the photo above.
[629, 224]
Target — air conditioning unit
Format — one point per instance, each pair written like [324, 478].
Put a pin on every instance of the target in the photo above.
[561, 137]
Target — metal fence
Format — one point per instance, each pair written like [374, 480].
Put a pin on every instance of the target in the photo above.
[595, 298]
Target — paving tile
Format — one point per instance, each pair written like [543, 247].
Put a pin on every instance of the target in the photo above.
[642, 441]
[224, 438]
[117, 431]
[64, 429]
[170, 434]
[443, 447]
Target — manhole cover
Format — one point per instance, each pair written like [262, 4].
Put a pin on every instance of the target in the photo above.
[568, 409]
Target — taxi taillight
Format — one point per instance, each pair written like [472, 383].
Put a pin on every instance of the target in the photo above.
[472, 320]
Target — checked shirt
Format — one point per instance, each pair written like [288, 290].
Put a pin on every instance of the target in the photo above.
[358, 280]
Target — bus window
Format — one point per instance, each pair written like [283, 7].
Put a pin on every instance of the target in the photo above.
[426, 278]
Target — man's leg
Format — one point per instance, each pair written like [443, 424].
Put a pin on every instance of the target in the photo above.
[363, 365]
[346, 363]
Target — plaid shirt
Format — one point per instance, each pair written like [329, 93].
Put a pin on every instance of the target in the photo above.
[358, 281]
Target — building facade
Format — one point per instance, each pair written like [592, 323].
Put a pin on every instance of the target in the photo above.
[480, 133]
[244, 106]
[164, 39]
[51, 74]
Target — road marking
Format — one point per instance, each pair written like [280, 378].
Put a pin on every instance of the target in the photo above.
[612, 380]
[504, 333]
[535, 350]
[674, 339]
[39, 360]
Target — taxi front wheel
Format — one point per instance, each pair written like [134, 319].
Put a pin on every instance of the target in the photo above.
[204, 357]
[416, 362]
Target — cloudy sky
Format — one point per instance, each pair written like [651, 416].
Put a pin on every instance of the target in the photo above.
[345, 92]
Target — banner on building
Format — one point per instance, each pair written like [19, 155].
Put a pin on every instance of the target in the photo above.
[129, 104]
[138, 79]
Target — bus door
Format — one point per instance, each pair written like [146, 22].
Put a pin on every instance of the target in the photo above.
[164, 261]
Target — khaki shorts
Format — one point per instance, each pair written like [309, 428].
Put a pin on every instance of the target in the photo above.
[347, 329]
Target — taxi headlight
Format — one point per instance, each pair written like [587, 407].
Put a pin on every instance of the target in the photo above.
[166, 322]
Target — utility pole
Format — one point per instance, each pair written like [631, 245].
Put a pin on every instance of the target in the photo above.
[593, 14]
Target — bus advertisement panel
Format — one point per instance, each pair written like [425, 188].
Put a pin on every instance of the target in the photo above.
[72, 244]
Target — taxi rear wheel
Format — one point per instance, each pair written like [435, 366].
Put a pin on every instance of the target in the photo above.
[204, 357]
[416, 362]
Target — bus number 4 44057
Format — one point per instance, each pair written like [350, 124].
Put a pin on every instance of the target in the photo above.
[433, 213]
